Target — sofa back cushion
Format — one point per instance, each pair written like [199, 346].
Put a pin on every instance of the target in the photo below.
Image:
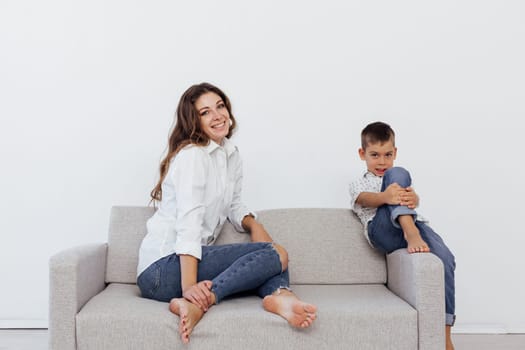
[325, 246]
[127, 228]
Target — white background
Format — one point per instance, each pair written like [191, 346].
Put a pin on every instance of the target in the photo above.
[88, 91]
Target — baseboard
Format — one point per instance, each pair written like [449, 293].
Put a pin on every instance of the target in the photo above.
[471, 328]
[23, 324]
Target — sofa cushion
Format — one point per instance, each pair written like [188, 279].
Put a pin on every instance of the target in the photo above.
[127, 227]
[349, 317]
[324, 245]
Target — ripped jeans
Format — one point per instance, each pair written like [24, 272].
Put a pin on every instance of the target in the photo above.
[232, 268]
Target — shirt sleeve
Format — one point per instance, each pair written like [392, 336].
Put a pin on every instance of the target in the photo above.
[189, 173]
[238, 210]
[355, 188]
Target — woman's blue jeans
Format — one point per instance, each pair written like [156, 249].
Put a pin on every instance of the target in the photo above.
[386, 235]
[232, 268]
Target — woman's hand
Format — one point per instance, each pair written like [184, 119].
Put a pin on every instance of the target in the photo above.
[199, 294]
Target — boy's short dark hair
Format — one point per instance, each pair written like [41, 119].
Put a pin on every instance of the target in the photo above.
[377, 132]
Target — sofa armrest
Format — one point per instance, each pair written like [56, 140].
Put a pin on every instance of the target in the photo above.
[419, 280]
[75, 276]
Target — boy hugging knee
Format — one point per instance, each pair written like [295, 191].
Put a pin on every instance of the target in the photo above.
[385, 202]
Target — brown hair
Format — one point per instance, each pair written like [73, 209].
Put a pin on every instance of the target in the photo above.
[377, 132]
[187, 129]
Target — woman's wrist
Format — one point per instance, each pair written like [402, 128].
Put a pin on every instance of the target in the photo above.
[188, 271]
[248, 221]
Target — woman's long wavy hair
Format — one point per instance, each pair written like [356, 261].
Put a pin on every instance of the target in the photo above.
[187, 129]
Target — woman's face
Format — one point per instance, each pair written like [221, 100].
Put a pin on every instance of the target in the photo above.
[214, 116]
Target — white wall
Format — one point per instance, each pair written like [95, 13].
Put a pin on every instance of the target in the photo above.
[88, 91]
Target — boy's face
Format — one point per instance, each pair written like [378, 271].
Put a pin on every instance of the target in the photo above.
[379, 157]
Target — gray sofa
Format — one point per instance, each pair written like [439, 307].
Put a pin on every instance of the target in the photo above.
[365, 300]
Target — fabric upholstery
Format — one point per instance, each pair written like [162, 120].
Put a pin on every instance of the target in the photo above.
[325, 246]
[127, 227]
[75, 276]
[364, 300]
[356, 317]
[345, 257]
[419, 279]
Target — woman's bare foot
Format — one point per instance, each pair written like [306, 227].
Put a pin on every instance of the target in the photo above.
[189, 315]
[416, 244]
[287, 305]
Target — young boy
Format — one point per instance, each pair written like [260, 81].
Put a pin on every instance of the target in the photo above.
[384, 202]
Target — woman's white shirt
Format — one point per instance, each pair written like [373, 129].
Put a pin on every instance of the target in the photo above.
[202, 189]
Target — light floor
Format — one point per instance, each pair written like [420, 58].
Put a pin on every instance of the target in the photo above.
[36, 339]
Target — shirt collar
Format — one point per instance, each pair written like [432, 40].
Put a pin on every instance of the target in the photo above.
[227, 145]
[369, 174]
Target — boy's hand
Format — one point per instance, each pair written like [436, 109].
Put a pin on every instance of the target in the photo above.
[409, 198]
[393, 194]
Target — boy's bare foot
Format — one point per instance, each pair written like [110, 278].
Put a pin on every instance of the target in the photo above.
[415, 243]
[287, 305]
[189, 315]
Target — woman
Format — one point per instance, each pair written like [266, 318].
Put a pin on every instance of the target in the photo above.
[199, 188]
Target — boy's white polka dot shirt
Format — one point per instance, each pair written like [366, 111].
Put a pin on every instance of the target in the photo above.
[368, 182]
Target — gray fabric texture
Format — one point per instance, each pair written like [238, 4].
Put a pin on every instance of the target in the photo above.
[345, 257]
[127, 227]
[331, 266]
[75, 276]
[325, 246]
[350, 317]
[419, 279]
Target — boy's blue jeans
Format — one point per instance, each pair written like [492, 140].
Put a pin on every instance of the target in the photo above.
[232, 268]
[386, 235]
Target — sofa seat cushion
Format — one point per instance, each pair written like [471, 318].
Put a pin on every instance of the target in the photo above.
[349, 317]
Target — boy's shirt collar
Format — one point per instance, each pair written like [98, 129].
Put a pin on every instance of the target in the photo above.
[368, 173]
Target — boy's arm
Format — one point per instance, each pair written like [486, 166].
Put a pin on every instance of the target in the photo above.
[391, 195]
[371, 199]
